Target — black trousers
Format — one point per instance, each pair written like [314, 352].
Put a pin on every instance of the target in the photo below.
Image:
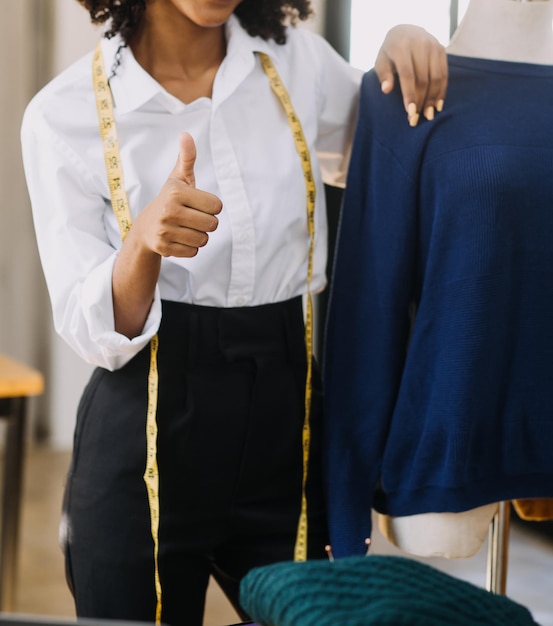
[230, 415]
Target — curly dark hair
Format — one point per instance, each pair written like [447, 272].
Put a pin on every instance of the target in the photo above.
[263, 18]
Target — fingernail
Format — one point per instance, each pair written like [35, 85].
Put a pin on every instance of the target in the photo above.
[439, 106]
[414, 119]
[411, 109]
[429, 113]
[385, 86]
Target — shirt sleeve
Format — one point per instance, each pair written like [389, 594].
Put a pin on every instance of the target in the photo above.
[339, 92]
[368, 320]
[76, 255]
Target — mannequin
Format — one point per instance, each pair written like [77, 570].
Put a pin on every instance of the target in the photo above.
[504, 30]
[437, 357]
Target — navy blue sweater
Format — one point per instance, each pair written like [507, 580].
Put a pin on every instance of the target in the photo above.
[438, 365]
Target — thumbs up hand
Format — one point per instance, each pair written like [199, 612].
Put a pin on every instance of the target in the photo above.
[177, 222]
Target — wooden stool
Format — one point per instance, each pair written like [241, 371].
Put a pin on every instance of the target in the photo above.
[17, 383]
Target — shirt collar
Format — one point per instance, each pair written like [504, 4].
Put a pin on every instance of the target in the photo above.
[239, 42]
[132, 86]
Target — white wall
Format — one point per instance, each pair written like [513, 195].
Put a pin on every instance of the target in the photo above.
[74, 34]
[371, 21]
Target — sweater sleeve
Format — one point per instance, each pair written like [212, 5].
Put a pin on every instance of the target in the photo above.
[368, 318]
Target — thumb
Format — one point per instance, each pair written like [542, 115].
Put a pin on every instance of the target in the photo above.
[184, 168]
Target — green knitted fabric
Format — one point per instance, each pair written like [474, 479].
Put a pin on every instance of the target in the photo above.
[367, 591]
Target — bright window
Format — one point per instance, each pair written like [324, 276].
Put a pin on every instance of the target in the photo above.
[371, 19]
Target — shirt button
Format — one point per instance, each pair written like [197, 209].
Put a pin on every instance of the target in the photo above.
[240, 301]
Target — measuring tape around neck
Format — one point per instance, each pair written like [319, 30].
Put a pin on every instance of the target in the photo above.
[120, 205]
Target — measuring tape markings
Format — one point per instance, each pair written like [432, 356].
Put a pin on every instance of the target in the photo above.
[300, 549]
[120, 205]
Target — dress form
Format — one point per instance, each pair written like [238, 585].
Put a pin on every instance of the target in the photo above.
[504, 30]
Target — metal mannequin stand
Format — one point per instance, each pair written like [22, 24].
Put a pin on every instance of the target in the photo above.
[498, 550]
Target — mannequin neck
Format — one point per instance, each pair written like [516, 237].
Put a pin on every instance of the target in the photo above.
[506, 30]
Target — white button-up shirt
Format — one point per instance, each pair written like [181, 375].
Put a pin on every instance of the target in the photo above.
[245, 155]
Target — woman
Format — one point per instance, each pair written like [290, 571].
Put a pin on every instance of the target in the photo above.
[231, 364]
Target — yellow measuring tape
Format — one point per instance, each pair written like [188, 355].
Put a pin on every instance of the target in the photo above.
[120, 204]
[119, 200]
[300, 549]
